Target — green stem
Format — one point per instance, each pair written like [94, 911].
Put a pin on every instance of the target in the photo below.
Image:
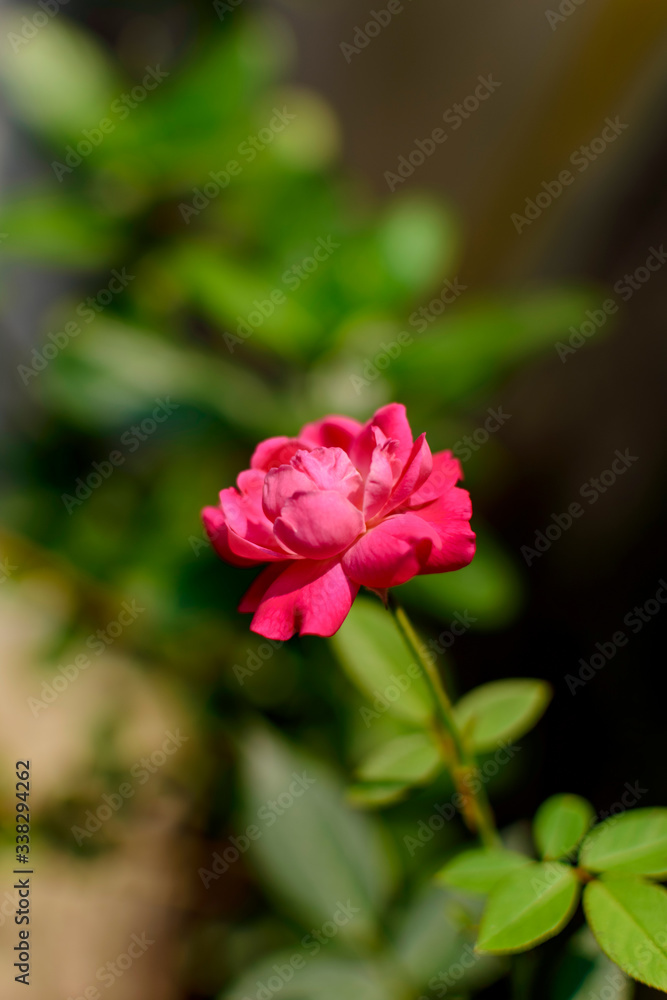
[475, 807]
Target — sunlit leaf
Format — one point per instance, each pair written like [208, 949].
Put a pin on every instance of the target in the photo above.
[481, 868]
[634, 842]
[560, 823]
[628, 918]
[501, 710]
[527, 907]
[412, 759]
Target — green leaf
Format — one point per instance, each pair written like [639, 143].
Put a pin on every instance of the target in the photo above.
[635, 842]
[560, 823]
[374, 794]
[585, 972]
[527, 907]
[313, 850]
[502, 710]
[59, 230]
[411, 759]
[372, 652]
[482, 868]
[628, 917]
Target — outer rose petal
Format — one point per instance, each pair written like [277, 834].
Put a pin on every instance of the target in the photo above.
[250, 531]
[218, 533]
[276, 451]
[318, 525]
[450, 515]
[279, 485]
[392, 552]
[446, 473]
[253, 596]
[332, 432]
[312, 598]
[392, 421]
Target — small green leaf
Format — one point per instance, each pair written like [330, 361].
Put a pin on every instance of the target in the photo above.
[560, 823]
[412, 759]
[374, 794]
[628, 917]
[633, 843]
[480, 869]
[527, 907]
[373, 654]
[502, 710]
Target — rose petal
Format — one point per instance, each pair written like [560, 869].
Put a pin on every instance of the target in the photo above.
[244, 515]
[318, 525]
[391, 553]
[253, 596]
[382, 474]
[279, 486]
[393, 423]
[446, 473]
[450, 516]
[276, 451]
[218, 533]
[417, 470]
[312, 598]
[331, 469]
[332, 432]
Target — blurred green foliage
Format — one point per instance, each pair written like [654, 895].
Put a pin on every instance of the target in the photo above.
[198, 276]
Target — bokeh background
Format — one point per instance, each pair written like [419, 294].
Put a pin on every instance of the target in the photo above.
[316, 109]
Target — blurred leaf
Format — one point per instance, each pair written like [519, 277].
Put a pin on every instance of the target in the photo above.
[635, 842]
[501, 710]
[240, 300]
[527, 907]
[560, 823]
[481, 868]
[481, 342]
[60, 81]
[628, 918]
[372, 652]
[413, 759]
[418, 241]
[489, 589]
[585, 972]
[374, 795]
[59, 230]
[316, 852]
[430, 940]
[315, 977]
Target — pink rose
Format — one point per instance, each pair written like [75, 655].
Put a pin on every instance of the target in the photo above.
[340, 506]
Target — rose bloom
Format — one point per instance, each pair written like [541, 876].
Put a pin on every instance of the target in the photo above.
[341, 505]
